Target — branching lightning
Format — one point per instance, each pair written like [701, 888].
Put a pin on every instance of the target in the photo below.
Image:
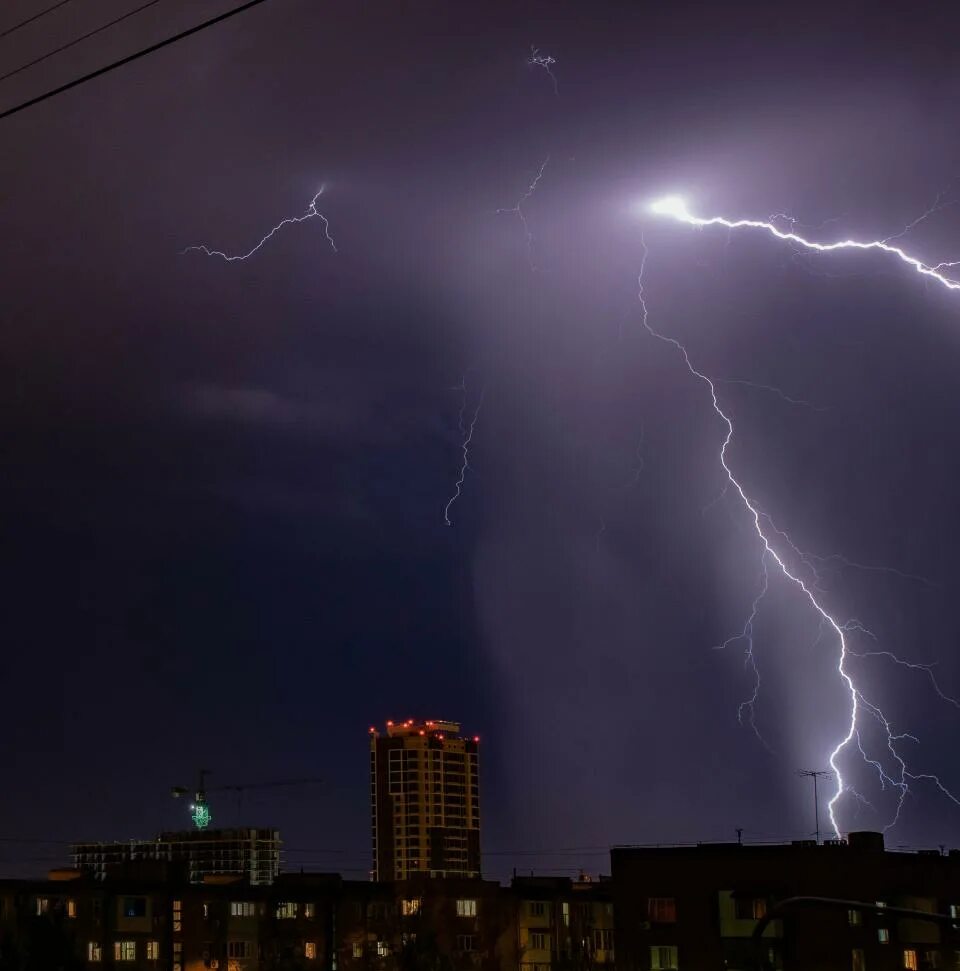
[517, 210]
[749, 658]
[779, 551]
[772, 389]
[466, 434]
[536, 59]
[311, 213]
[676, 208]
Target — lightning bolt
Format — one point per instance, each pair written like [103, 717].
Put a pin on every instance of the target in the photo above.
[466, 432]
[536, 59]
[518, 210]
[675, 207]
[767, 535]
[771, 389]
[311, 213]
[749, 658]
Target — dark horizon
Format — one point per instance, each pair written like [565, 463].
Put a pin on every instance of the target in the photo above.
[228, 483]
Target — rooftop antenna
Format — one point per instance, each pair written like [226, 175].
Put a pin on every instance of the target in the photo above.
[815, 774]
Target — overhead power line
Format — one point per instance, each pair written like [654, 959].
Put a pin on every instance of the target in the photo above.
[36, 16]
[78, 40]
[131, 57]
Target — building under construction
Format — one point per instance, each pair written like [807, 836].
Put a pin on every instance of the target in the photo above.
[253, 854]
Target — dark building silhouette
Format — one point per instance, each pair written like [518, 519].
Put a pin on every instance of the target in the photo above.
[698, 907]
[425, 801]
[151, 917]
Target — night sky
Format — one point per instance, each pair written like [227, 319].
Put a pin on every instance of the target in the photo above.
[224, 483]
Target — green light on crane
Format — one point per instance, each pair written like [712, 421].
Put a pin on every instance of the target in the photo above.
[201, 815]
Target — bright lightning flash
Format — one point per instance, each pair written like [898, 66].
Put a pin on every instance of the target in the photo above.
[675, 207]
[311, 213]
[778, 550]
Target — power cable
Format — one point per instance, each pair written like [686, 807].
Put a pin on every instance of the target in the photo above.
[131, 57]
[78, 40]
[30, 20]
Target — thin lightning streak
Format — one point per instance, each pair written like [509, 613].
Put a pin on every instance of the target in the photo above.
[311, 213]
[936, 207]
[799, 402]
[467, 432]
[676, 208]
[749, 657]
[641, 463]
[518, 210]
[858, 702]
[913, 666]
[536, 59]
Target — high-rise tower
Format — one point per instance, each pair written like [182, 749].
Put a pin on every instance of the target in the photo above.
[425, 801]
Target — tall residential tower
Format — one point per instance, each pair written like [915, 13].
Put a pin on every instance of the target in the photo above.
[425, 801]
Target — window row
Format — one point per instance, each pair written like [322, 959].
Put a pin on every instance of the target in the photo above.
[123, 951]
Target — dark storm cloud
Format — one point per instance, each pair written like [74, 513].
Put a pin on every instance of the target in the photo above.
[225, 483]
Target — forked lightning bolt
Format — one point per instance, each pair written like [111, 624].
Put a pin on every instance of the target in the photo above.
[311, 213]
[518, 210]
[778, 549]
[466, 431]
[536, 59]
[675, 207]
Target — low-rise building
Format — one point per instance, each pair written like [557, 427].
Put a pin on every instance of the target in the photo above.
[841, 905]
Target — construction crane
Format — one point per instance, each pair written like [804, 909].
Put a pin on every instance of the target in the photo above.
[200, 808]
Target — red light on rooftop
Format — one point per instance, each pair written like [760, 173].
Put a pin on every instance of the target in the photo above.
[372, 729]
[389, 724]
[476, 738]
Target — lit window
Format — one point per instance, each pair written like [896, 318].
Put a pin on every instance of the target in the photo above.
[565, 913]
[124, 950]
[310, 910]
[310, 950]
[357, 949]
[662, 910]
[410, 906]
[177, 916]
[242, 908]
[663, 958]
[464, 942]
[910, 960]
[383, 949]
[857, 961]
[883, 935]
[43, 905]
[854, 918]
[537, 908]
[603, 939]
[749, 908]
[538, 941]
[153, 950]
[71, 908]
[287, 909]
[239, 949]
[206, 910]
[178, 955]
[94, 951]
[466, 908]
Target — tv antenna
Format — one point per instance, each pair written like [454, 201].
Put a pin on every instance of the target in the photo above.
[816, 775]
